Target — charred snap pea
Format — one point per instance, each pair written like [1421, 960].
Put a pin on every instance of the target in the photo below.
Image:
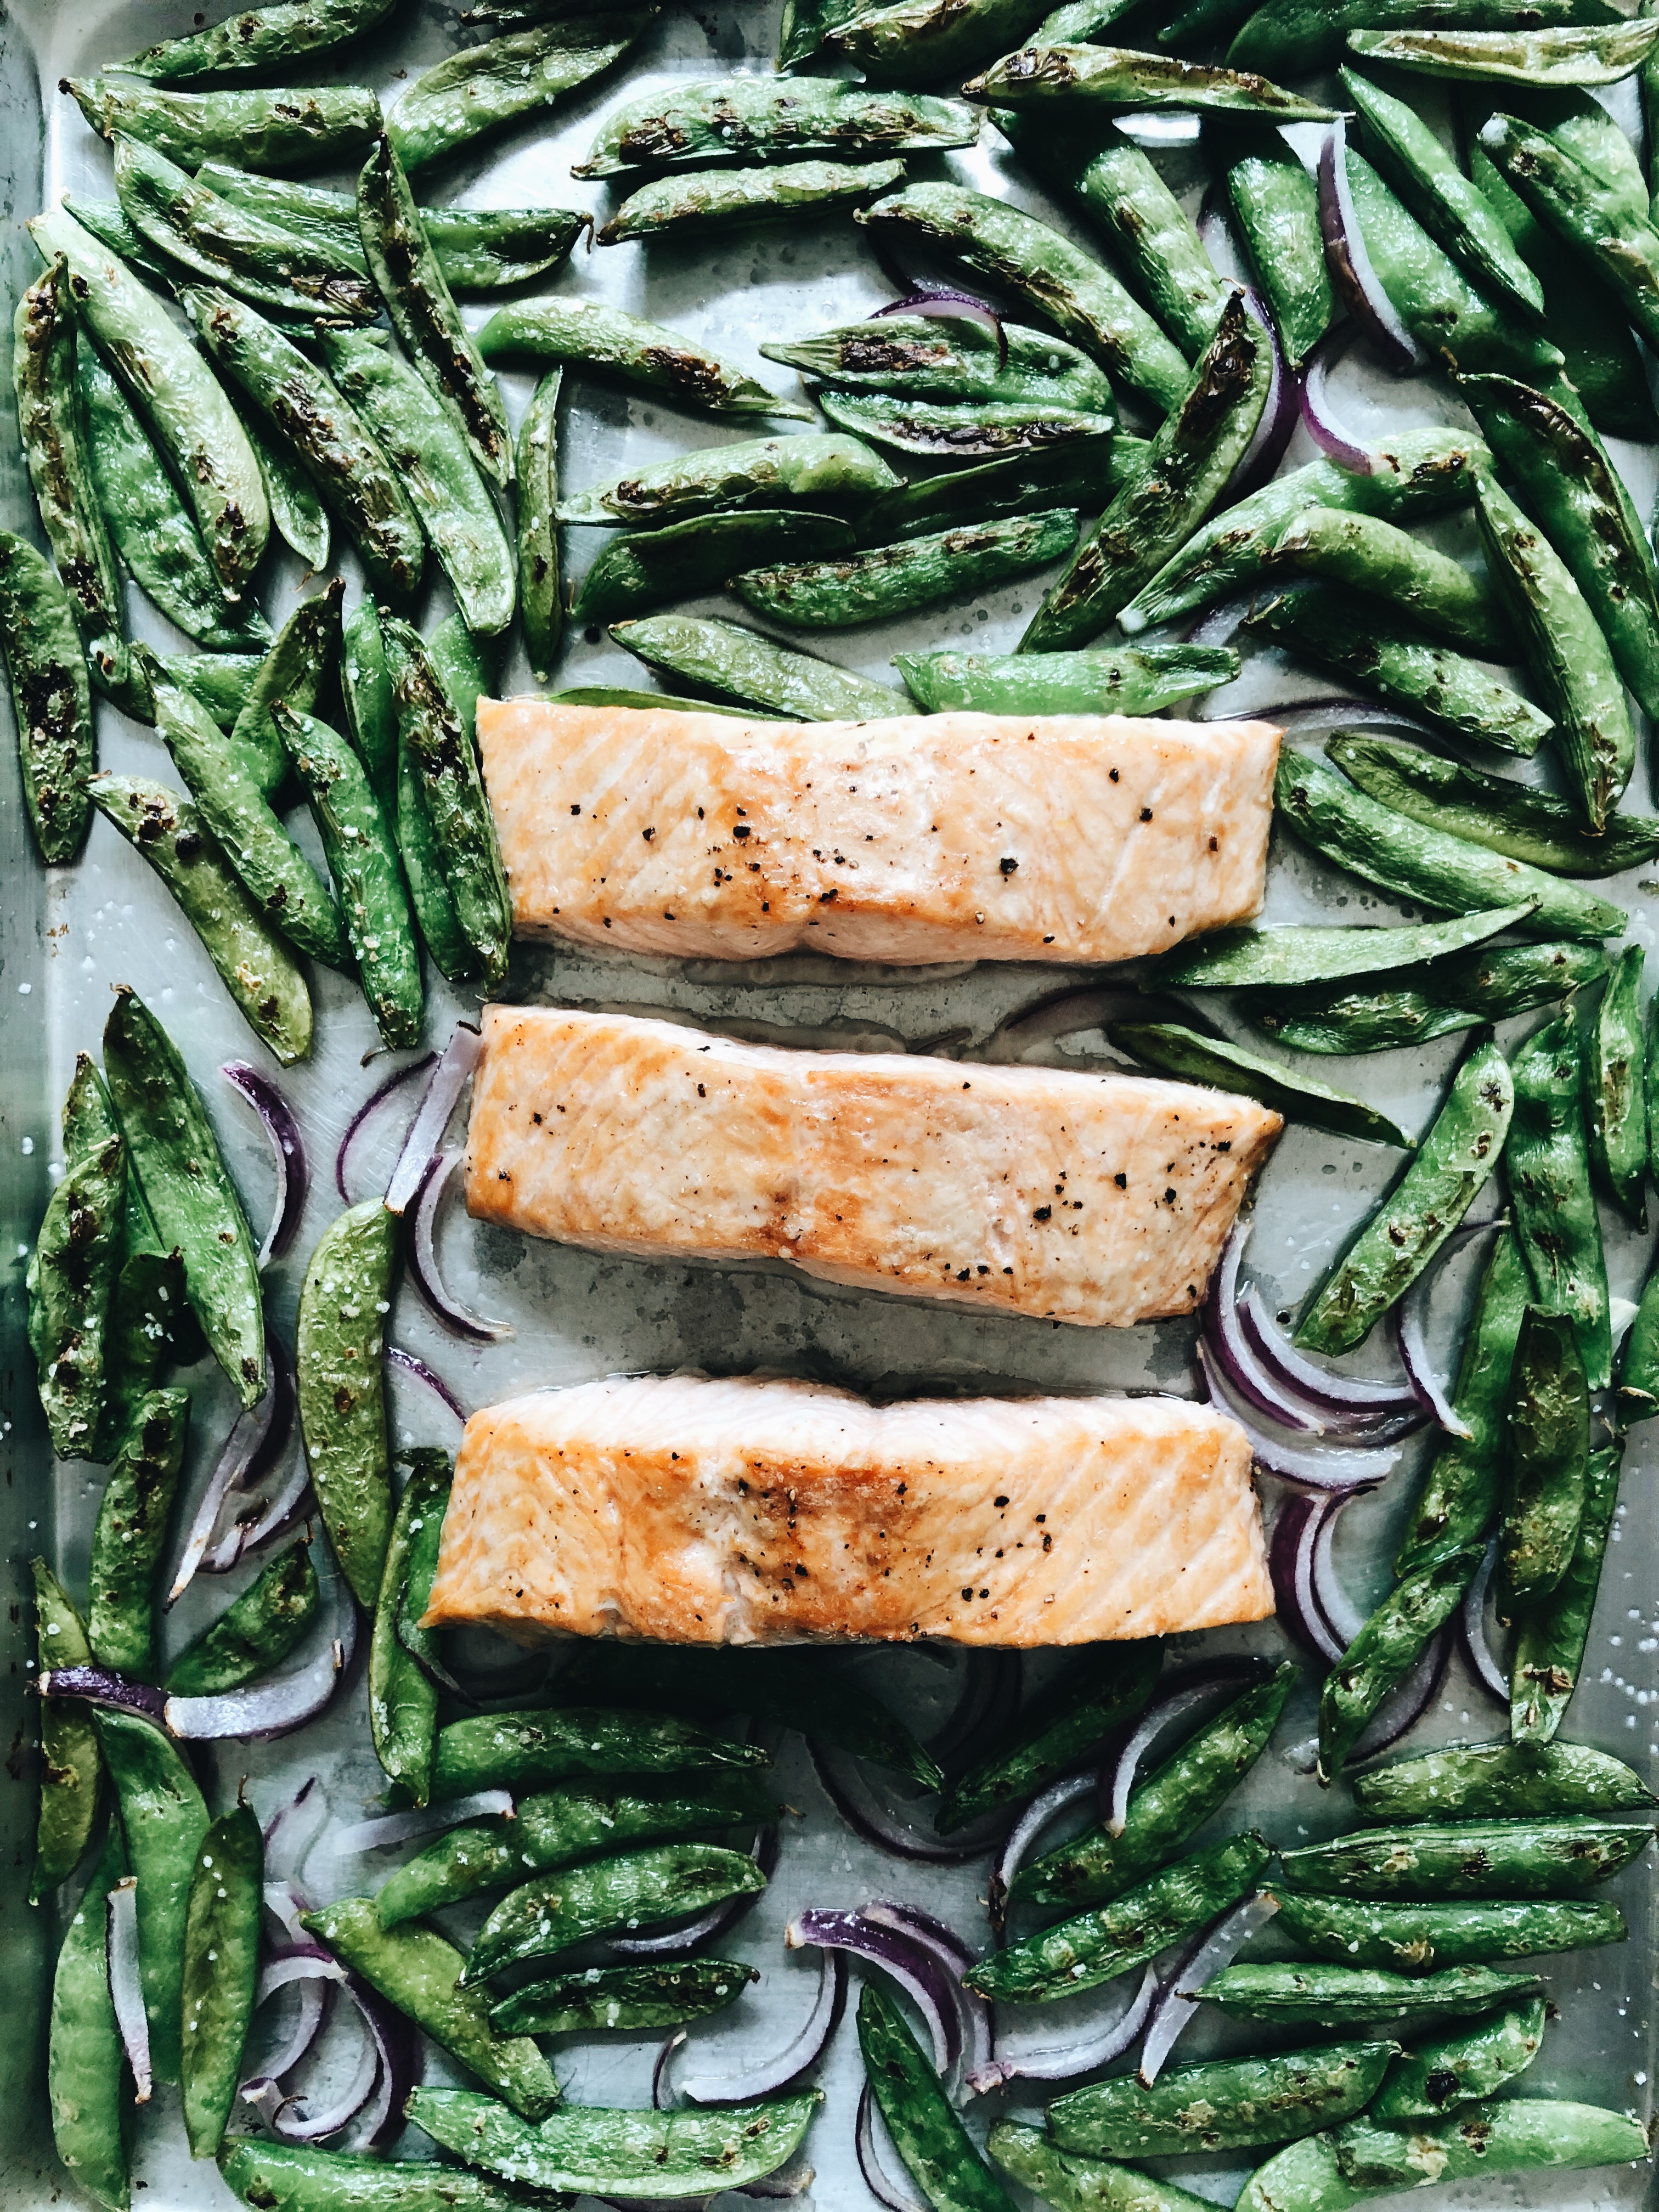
[1441, 2072]
[1585, 209]
[1421, 1939]
[966, 432]
[607, 340]
[592, 1997]
[1546, 1462]
[222, 1970]
[1275, 203]
[51, 704]
[70, 1280]
[371, 714]
[682, 206]
[1510, 2136]
[1039, 268]
[265, 129]
[254, 1633]
[1259, 959]
[647, 567]
[1090, 473]
[261, 39]
[1175, 1798]
[536, 470]
[1371, 556]
[1615, 1090]
[1448, 1172]
[1073, 2183]
[342, 1387]
[274, 2177]
[600, 1897]
[482, 89]
[1537, 61]
[1118, 76]
[1224, 1066]
[822, 472]
[927, 41]
[1295, 35]
[741, 665]
[761, 119]
[839, 593]
[1126, 682]
[1499, 1781]
[106, 222]
[1228, 2105]
[916, 357]
[1550, 1638]
[1097, 1947]
[131, 1528]
[1547, 1170]
[297, 671]
[1055, 1730]
[403, 1699]
[416, 1971]
[1484, 986]
[1304, 2177]
[1289, 1996]
[85, 2057]
[920, 2118]
[528, 1750]
[163, 1820]
[357, 482]
[1475, 1858]
[71, 1768]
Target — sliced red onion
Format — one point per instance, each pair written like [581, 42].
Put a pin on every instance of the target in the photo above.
[1177, 2000]
[1323, 427]
[279, 1704]
[284, 1900]
[288, 1149]
[1062, 2062]
[1277, 419]
[892, 2195]
[679, 1942]
[102, 1686]
[371, 1105]
[1337, 1471]
[1222, 624]
[1316, 718]
[296, 2120]
[1044, 1809]
[915, 1969]
[263, 2088]
[1335, 1606]
[803, 2049]
[944, 305]
[956, 1957]
[426, 1134]
[126, 1988]
[1406, 1704]
[424, 1821]
[1355, 279]
[1472, 1630]
[856, 1797]
[256, 1437]
[1195, 1686]
[288, 1500]
[1224, 1334]
[1349, 1396]
[1290, 1564]
[412, 1364]
[398, 2051]
[423, 1258]
[1410, 1319]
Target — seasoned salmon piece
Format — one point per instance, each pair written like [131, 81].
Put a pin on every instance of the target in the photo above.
[924, 837]
[1098, 1198]
[752, 1511]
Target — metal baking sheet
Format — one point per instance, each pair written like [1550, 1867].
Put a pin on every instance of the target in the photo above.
[65, 941]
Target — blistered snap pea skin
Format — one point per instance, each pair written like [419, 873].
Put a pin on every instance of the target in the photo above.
[1366, 555]
[1546, 1167]
[264, 130]
[163, 1820]
[889, 580]
[825, 473]
[1073, 2183]
[482, 89]
[1128, 681]
[131, 1528]
[689, 206]
[51, 701]
[1231, 2104]
[1548, 1654]
[297, 512]
[1296, 36]
[984, 430]
[528, 1750]
[1536, 61]
[1442, 2072]
[1421, 1939]
[1547, 1462]
[402, 1699]
[260, 39]
[923, 357]
[1275, 203]
[70, 1282]
[342, 1387]
[371, 715]
[1055, 1729]
[1176, 1050]
[609, 342]
[741, 666]
[85, 2059]
[927, 41]
[1485, 986]
[1616, 1092]
[1498, 1781]
[221, 1971]
[761, 119]
[536, 469]
[254, 1633]
[1519, 2134]
[275, 2177]
[1294, 954]
[592, 1997]
[71, 1766]
[1339, 1997]
[935, 2147]
[1089, 474]
[602, 1896]
[1541, 1857]
[1119, 77]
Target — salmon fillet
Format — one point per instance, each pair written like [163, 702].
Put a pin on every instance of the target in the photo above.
[924, 837]
[1096, 1198]
[756, 1510]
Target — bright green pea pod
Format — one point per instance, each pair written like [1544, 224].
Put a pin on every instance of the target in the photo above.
[1042, 270]
[423, 871]
[647, 567]
[935, 2147]
[1096, 1947]
[358, 484]
[85, 2059]
[593, 1997]
[298, 670]
[965, 432]
[1416, 860]
[1089, 474]
[1224, 1066]
[1485, 985]
[763, 119]
[51, 703]
[1174, 1799]
[1446, 1174]
[1341, 1996]
[416, 1971]
[1421, 1939]
[273, 2177]
[435, 1470]
[342, 1387]
[1520, 2134]
[1076, 21]
[541, 596]
[254, 1634]
[403, 1700]
[458, 664]
[1639, 1358]
[371, 714]
[1500, 1781]
[826, 472]
[1293, 954]
[557, 1828]
[1440, 2072]
[1374, 558]
[106, 222]
[1126, 682]
[264, 130]
[1119, 77]
[603, 1896]
[1072, 2184]
[1615, 1089]
[217, 681]
[1298, 36]
[1544, 1857]
[297, 514]
[805, 24]
[71, 1767]
[889, 580]
[919, 358]
[445, 761]
[1547, 1170]
[131, 1528]
[222, 1970]
[527, 1751]
[1535, 61]
[151, 1328]
[644, 703]
[1548, 1656]
[1201, 441]
[1546, 1463]
[177, 394]
[70, 1281]
[1232, 2104]
[88, 1118]
[741, 665]
[163, 1820]
[1275, 203]
[1055, 1730]
[1304, 2177]
[262, 39]
[928, 41]
[714, 200]
[611, 343]
[481, 89]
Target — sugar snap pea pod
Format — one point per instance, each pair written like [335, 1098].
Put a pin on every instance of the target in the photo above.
[1258, 959]
[1547, 1462]
[221, 1970]
[1128, 681]
[1395, 1245]
[688, 206]
[264, 130]
[1296, 36]
[51, 703]
[1292, 1996]
[1500, 1781]
[1547, 1170]
[85, 2056]
[927, 41]
[254, 1634]
[163, 1820]
[275, 2177]
[1440, 2072]
[1199, 444]
[1232, 2104]
[1275, 203]
[1090, 473]
[741, 665]
[177, 394]
[458, 663]
[963, 430]
[71, 1768]
[1638, 1356]
[70, 1280]
[1508, 2136]
[1550, 1638]
[434, 1470]
[919, 358]
[106, 222]
[1417, 861]
[1615, 1095]
[299, 668]
[480, 90]
[1119, 77]
[1543, 1858]
[1055, 1731]
[444, 762]
[889, 580]
[402, 1699]
[536, 470]
[611, 343]
[342, 1388]
[297, 514]
[647, 567]
[1175, 1798]
[729, 119]
[219, 682]
[1422, 1939]
[936, 2148]
[824, 472]
[1372, 557]
[131, 1529]
[592, 1997]
[1304, 2177]
[600, 1897]
[1096, 1946]
[418, 1973]
[371, 714]
[804, 25]
[1536, 60]
[528, 1750]
[1042, 270]
[261, 39]
[1074, 2183]
[644, 703]
[424, 873]
[1485, 985]
[1222, 1065]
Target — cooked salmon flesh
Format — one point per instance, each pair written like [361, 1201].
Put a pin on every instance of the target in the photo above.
[925, 838]
[750, 1511]
[1097, 1199]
